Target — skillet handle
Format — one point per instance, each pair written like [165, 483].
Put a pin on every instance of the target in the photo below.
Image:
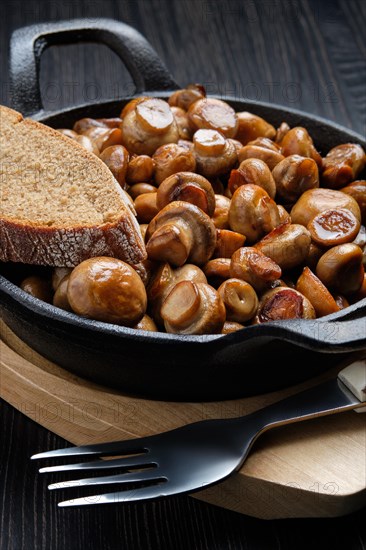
[324, 336]
[28, 43]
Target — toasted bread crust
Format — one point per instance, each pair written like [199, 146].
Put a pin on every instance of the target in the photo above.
[26, 241]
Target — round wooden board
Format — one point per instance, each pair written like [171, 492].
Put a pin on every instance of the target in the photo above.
[315, 468]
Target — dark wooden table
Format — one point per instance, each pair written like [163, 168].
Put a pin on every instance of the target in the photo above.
[309, 55]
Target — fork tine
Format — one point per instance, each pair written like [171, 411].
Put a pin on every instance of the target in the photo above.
[131, 477]
[139, 460]
[141, 493]
[130, 446]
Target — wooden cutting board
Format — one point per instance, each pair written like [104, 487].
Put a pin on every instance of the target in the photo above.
[315, 468]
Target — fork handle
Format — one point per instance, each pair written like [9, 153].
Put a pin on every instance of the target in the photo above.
[346, 392]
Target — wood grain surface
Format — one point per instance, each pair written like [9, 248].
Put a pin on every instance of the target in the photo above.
[307, 54]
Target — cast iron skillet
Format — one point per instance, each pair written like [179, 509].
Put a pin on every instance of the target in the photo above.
[257, 359]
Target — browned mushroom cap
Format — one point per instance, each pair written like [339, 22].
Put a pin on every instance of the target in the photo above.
[86, 123]
[146, 268]
[146, 207]
[231, 326]
[341, 301]
[140, 169]
[221, 214]
[297, 141]
[251, 126]
[107, 138]
[39, 287]
[281, 132]
[146, 323]
[314, 255]
[314, 201]
[252, 266]
[181, 232]
[295, 175]
[116, 158]
[252, 212]
[112, 122]
[58, 273]
[340, 268]
[184, 126]
[227, 243]
[193, 308]
[240, 299]
[186, 96]
[67, 132]
[140, 189]
[260, 151]
[217, 271]
[253, 171]
[149, 125]
[107, 289]
[356, 296]
[288, 245]
[88, 144]
[284, 215]
[214, 154]
[189, 187]
[284, 303]
[357, 190]
[60, 298]
[334, 226]
[214, 114]
[172, 158]
[342, 165]
[313, 289]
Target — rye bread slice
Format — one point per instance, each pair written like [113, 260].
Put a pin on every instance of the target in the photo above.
[59, 204]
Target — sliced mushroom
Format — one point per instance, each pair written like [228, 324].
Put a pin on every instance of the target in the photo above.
[252, 266]
[170, 159]
[251, 126]
[284, 303]
[240, 299]
[315, 201]
[253, 171]
[193, 308]
[252, 212]
[181, 232]
[214, 154]
[217, 271]
[214, 114]
[188, 187]
[297, 141]
[163, 281]
[334, 226]
[313, 289]
[288, 245]
[295, 175]
[343, 164]
[148, 125]
[185, 97]
[227, 243]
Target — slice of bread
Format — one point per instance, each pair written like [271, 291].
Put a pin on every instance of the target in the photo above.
[59, 204]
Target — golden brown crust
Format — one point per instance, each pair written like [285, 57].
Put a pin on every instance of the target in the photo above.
[24, 240]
